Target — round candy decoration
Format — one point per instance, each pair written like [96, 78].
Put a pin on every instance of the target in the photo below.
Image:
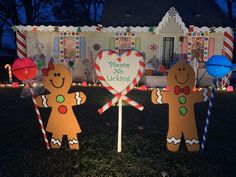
[96, 47]
[24, 69]
[218, 66]
[60, 99]
[62, 109]
[182, 110]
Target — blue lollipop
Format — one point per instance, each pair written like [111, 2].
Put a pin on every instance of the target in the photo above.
[217, 66]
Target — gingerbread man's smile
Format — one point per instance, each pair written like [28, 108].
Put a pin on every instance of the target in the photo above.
[180, 81]
[58, 86]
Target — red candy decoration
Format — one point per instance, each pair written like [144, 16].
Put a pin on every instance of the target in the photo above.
[62, 109]
[24, 69]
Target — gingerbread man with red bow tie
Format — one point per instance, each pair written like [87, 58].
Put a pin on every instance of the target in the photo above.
[181, 98]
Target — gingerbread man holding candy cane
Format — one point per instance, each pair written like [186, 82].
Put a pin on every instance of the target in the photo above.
[62, 121]
[181, 99]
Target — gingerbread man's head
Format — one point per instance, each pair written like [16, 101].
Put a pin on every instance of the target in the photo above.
[56, 78]
[181, 74]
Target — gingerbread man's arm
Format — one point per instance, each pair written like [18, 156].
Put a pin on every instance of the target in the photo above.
[42, 101]
[77, 98]
[159, 96]
[202, 95]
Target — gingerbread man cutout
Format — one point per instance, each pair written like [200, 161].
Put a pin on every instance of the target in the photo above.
[181, 98]
[62, 121]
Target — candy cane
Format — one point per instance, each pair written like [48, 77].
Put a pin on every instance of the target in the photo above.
[39, 116]
[125, 91]
[21, 44]
[7, 66]
[208, 116]
[228, 47]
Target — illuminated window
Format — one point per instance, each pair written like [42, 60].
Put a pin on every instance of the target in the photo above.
[124, 41]
[198, 46]
[69, 45]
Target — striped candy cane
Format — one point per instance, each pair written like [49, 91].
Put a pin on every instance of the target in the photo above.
[228, 48]
[126, 90]
[21, 44]
[7, 66]
[39, 117]
[208, 116]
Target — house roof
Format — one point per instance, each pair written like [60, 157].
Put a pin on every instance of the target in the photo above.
[150, 12]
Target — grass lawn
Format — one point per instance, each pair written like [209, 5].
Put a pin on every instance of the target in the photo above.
[144, 150]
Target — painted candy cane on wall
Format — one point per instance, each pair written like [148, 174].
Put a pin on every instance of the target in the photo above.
[21, 45]
[228, 47]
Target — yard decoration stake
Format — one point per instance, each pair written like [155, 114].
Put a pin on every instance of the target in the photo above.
[25, 70]
[119, 74]
[7, 66]
[57, 80]
[218, 67]
[181, 99]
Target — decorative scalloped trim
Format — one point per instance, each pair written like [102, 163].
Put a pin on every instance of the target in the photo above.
[177, 18]
[217, 30]
[50, 28]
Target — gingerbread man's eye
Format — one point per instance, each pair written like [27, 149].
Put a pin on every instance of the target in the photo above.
[179, 69]
[55, 74]
[183, 69]
[58, 74]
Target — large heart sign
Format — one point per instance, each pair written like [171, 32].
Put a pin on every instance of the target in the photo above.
[119, 71]
[119, 74]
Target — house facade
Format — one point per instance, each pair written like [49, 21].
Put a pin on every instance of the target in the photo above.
[165, 43]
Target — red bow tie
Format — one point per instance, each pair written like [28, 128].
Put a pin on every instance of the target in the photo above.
[184, 90]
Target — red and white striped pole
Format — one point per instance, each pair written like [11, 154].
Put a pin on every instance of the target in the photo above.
[21, 45]
[228, 47]
[39, 116]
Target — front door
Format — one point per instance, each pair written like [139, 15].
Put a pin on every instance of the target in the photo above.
[167, 51]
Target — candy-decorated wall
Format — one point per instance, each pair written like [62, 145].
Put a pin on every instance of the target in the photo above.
[168, 42]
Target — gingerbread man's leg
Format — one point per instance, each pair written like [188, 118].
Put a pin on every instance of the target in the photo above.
[56, 141]
[173, 138]
[191, 136]
[73, 141]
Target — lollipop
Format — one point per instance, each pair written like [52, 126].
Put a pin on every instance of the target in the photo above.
[25, 70]
[217, 66]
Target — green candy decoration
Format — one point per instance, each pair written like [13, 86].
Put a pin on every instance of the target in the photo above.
[60, 99]
[78, 29]
[40, 64]
[182, 100]
[182, 110]
[71, 64]
[152, 28]
[14, 28]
